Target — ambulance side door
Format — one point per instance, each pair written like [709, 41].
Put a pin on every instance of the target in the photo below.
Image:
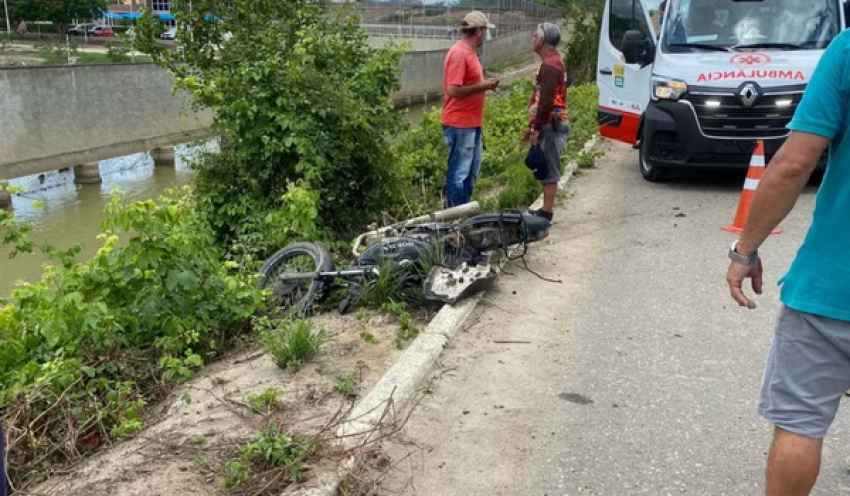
[624, 88]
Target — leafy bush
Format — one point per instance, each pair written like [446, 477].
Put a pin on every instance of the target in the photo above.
[302, 103]
[290, 343]
[82, 349]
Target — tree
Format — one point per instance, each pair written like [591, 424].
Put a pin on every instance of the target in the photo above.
[302, 102]
[62, 13]
[582, 48]
[24, 10]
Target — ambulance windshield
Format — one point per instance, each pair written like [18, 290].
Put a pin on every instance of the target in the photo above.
[742, 25]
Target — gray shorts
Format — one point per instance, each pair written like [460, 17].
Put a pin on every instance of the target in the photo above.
[552, 141]
[807, 372]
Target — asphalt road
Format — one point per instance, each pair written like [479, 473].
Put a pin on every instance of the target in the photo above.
[639, 375]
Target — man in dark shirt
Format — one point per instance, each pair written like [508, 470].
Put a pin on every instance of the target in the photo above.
[548, 120]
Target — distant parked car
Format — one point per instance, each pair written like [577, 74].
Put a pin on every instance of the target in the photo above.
[170, 34]
[103, 31]
[81, 29]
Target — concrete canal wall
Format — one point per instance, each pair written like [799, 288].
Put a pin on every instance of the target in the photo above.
[57, 117]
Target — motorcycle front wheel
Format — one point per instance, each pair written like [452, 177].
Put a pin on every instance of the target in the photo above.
[280, 274]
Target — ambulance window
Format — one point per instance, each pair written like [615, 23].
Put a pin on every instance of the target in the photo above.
[626, 15]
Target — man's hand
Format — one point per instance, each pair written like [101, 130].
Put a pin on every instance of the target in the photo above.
[735, 278]
[456, 91]
[529, 136]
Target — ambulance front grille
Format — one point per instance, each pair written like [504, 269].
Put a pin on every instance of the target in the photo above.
[722, 115]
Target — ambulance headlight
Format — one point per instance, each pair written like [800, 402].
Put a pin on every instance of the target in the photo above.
[667, 88]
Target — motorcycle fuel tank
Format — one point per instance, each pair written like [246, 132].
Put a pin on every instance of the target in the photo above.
[396, 249]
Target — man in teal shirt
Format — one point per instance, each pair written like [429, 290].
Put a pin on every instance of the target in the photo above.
[808, 367]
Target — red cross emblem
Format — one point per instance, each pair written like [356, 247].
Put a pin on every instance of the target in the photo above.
[750, 59]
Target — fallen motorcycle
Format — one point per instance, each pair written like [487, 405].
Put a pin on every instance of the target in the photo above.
[446, 256]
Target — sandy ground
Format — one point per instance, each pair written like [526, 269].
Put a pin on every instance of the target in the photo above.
[205, 420]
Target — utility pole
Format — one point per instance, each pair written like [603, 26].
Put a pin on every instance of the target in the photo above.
[8, 24]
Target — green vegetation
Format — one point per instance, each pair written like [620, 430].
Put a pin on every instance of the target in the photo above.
[580, 58]
[290, 343]
[86, 347]
[407, 330]
[62, 13]
[302, 130]
[513, 62]
[60, 57]
[273, 451]
[266, 401]
[587, 160]
[363, 326]
[306, 119]
[391, 285]
[346, 385]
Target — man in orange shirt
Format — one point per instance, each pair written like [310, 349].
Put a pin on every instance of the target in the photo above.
[465, 89]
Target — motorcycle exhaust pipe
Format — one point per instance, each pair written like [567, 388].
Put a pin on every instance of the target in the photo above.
[458, 212]
[453, 213]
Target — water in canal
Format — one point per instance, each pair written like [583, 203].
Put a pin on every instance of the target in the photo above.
[72, 213]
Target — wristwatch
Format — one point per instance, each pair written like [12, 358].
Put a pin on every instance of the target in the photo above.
[742, 259]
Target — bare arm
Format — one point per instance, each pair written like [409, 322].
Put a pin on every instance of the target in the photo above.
[778, 191]
[818, 119]
[783, 181]
[456, 91]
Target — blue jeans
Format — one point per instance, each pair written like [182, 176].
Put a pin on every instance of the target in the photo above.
[466, 145]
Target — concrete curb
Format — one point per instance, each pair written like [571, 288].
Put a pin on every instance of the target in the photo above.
[399, 384]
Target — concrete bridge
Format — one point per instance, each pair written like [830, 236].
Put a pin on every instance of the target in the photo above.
[72, 116]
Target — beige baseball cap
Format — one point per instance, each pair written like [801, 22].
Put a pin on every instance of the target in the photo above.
[477, 19]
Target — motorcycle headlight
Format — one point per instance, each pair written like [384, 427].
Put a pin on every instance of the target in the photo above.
[667, 88]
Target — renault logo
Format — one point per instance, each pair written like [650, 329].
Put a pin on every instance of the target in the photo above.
[748, 94]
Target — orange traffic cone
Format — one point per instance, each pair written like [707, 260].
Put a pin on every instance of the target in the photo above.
[754, 175]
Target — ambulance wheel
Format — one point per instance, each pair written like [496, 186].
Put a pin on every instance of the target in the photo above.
[648, 170]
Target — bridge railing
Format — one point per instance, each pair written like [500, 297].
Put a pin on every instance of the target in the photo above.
[414, 19]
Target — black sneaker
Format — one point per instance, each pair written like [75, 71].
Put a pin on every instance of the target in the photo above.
[541, 213]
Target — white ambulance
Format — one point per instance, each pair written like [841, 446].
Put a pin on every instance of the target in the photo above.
[713, 78]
